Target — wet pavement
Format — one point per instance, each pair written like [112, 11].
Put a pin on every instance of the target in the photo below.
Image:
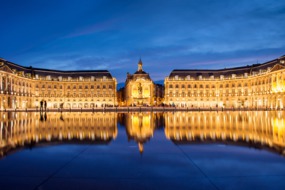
[118, 161]
[162, 165]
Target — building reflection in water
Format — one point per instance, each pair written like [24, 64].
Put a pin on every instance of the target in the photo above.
[257, 129]
[140, 126]
[28, 129]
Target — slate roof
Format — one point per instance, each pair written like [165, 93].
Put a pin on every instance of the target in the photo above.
[227, 72]
[57, 73]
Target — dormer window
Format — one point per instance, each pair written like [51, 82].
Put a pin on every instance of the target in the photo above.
[188, 77]
[176, 77]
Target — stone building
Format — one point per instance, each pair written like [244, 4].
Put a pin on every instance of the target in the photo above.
[26, 87]
[139, 88]
[255, 86]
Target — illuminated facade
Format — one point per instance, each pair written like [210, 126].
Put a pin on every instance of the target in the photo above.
[139, 88]
[25, 87]
[256, 86]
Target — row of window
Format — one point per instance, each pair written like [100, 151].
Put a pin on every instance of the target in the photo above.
[75, 87]
[253, 83]
[77, 95]
[207, 86]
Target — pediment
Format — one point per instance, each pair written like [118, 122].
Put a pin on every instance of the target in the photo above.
[6, 69]
[277, 67]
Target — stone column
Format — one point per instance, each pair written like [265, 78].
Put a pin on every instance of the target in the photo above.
[6, 83]
[10, 84]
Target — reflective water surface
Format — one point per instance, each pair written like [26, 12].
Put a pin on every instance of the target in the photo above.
[142, 150]
[260, 129]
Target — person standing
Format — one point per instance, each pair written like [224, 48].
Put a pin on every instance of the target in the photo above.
[45, 105]
[41, 105]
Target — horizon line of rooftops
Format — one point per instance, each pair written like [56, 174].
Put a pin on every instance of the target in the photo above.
[241, 71]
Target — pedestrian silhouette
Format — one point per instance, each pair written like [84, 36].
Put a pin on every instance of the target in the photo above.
[41, 105]
[45, 105]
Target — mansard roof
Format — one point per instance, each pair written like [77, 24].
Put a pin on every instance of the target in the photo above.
[57, 73]
[227, 72]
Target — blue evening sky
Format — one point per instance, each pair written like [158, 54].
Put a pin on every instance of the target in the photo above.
[167, 35]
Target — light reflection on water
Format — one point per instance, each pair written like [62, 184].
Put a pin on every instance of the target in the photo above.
[259, 129]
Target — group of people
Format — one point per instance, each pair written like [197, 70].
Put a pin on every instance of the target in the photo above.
[43, 105]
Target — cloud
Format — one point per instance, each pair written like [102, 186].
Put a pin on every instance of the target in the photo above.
[97, 27]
